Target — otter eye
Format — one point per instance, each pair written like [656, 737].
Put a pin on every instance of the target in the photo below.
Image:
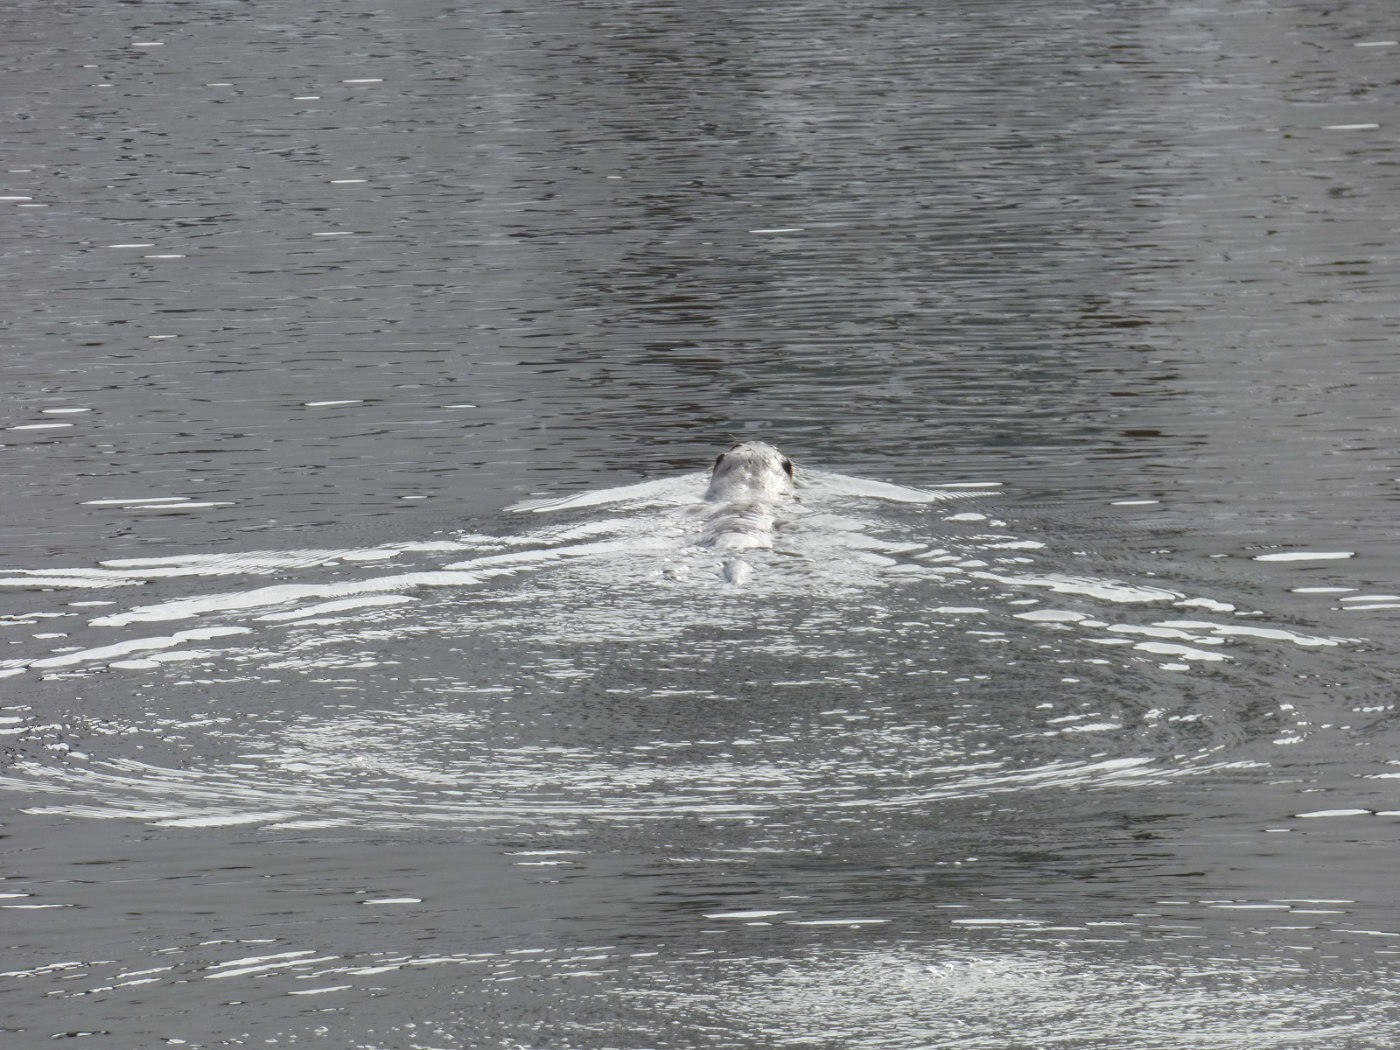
[787, 467]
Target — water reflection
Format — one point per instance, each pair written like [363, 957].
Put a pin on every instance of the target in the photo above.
[891, 997]
[295, 300]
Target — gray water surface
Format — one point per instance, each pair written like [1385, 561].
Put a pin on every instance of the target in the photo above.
[361, 684]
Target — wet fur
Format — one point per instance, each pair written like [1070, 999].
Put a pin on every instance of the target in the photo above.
[748, 499]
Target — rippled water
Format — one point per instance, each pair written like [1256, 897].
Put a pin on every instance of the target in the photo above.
[361, 682]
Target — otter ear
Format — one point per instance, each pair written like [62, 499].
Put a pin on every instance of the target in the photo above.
[787, 467]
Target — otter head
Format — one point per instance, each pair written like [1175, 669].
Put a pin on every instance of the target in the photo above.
[753, 470]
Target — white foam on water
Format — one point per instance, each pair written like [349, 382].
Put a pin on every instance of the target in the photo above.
[165, 657]
[864, 488]
[223, 820]
[996, 922]
[1051, 616]
[36, 578]
[339, 606]
[372, 555]
[1126, 770]
[1306, 556]
[1184, 652]
[1239, 630]
[1165, 630]
[287, 961]
[123, 572]
[836, 922]
[666, 491]
[180, 508]
[1313, 814]
[1107, 590]
[135, 645]
[133, 502]
[1091, 727]
[1205, 603]
[497, 563]
[282, 594]
[244, 563]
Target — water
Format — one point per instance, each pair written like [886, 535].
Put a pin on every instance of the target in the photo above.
[362, 685]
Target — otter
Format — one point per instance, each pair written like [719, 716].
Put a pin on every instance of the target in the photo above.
[750, 486]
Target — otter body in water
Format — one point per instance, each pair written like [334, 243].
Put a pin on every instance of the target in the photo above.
[749, 496]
